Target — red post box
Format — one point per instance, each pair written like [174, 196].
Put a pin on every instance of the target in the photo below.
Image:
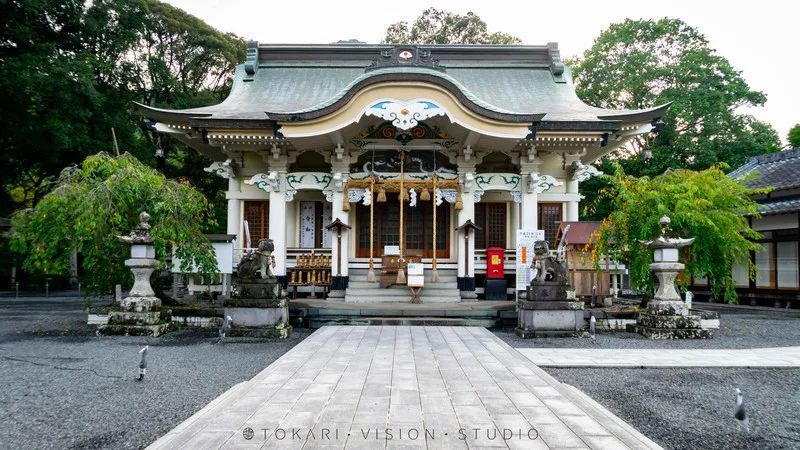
[495, 260]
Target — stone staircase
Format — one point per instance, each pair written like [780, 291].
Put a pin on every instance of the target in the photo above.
[360, 290]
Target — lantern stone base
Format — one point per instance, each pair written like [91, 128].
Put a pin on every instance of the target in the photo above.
[133, 323]
[140, 304]
[655, 324]
[669, 332]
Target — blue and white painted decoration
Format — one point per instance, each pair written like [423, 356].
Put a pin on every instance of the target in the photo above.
[222, 169]
[583, 172]
[405, 115]
[538, 183]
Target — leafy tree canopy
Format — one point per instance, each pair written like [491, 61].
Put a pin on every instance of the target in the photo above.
[444, 27]
[93, 203]
[794, 136]
[71, 70]
[643, 63]
[707, 205]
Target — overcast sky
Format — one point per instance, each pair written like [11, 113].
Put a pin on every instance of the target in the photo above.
[760, 38]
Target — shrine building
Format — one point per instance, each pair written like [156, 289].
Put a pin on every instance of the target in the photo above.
[486, 135]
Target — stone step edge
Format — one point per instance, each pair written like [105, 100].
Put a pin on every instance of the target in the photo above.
[424, 301]
[399, 291]
[581, 398]
[588, 405]
[221, 400]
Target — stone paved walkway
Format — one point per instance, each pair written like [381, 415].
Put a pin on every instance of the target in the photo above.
[603, 357]
[429, 387]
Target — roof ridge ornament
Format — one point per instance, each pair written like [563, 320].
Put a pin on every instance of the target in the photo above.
[556, 65]
[251, 63]
[405, 55]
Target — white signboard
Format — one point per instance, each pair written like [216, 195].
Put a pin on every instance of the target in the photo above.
[416, 275]
[307, 224]
[327, 217]
[391, 250]
[525, 271]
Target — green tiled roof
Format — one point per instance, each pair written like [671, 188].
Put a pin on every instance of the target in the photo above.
[301, 82]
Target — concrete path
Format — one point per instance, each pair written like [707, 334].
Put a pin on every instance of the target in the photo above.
[426, 387]
[582, 357]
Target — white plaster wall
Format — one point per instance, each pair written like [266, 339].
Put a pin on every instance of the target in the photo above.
[778, 222]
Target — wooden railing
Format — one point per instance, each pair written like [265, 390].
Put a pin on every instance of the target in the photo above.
[291, 254]
[510, 260]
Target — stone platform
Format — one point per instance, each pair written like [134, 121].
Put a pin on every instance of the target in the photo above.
[550, 309]
[427, 387]
[316, 313]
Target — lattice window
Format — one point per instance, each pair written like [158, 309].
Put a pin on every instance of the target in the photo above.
[496, 225]
[549, 218]
[417, 223]
[480, 220]
[442, 225]
[390, 222]
[256, 213]
[414, 221]
[491, 217]
[362, 214]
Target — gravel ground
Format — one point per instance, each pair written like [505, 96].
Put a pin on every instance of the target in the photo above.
[693, 408]
[741, 327]
[63, 387]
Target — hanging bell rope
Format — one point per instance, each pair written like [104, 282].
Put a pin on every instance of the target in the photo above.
[434, 272]
[346, 201]
[371, 273]
[401, 274]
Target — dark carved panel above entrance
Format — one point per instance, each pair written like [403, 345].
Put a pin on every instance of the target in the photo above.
[417, 161]
[386, 130]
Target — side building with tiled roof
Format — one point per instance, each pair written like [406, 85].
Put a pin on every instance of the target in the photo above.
[778, 279]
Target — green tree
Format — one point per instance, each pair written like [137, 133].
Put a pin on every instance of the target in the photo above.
[181, 62]
[93, 203]
[794, 136]
[642, 63]
[55, 56]
[71, 71]
[707, 205]
[444, 27]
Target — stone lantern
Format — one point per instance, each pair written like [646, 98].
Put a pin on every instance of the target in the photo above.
[667, 316]
[142, 262]
[141, 313]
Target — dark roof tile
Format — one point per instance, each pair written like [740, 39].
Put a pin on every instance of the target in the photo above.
[780, 170]
[301, 82]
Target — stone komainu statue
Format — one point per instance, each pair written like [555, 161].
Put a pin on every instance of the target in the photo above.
[258, 263]
[547, 267]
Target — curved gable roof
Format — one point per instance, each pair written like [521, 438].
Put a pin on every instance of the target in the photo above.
[507, 83]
